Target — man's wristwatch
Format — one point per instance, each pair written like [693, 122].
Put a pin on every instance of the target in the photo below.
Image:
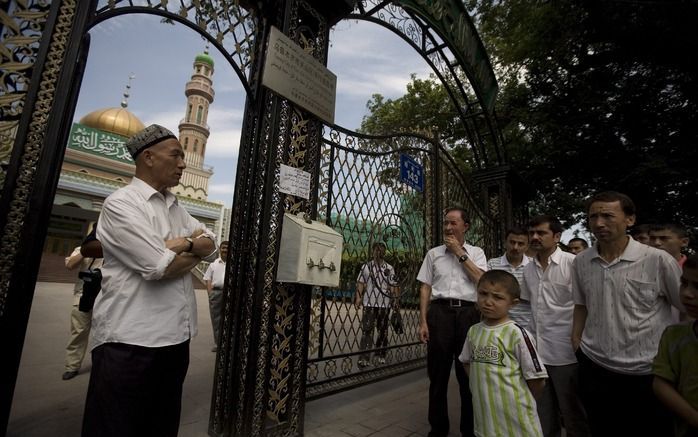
[191, 243]
[463, 258]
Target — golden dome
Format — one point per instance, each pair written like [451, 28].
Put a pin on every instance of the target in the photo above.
[119, 121]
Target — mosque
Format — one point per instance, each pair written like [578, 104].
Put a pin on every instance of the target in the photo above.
[97, 163]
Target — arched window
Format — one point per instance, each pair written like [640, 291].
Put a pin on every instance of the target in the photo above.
[189, 108]
[196, 145]
[199, 114]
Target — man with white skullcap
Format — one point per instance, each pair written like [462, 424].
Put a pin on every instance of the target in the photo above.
[145, 314]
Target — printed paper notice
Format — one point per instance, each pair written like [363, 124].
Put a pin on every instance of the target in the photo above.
[294, 181]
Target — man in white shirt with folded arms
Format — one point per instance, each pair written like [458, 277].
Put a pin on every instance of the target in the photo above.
[145, 314]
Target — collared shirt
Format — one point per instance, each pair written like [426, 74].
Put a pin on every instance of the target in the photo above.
[136, 306]
[447, 277]
[552, 307]
[216, 273]
[521, 312]
[628, 304]
[379, 279]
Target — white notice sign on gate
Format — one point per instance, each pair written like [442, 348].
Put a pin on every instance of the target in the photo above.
[294, 181]
[297, 76]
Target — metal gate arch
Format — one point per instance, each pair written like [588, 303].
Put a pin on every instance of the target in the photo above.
[257, 391]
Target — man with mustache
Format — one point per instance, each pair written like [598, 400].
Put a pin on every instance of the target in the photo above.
[449, 276]
[547, 285]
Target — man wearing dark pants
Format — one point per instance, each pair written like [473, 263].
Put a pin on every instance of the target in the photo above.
[449, 276]
[623, 293]
[145, 314]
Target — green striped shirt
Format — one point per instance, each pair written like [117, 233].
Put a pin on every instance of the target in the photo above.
[500, 363]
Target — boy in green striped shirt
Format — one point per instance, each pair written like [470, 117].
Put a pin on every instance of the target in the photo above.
[502, 363]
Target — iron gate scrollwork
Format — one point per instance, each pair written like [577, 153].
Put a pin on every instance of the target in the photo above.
[362, 197]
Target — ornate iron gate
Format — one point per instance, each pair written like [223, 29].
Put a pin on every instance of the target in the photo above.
[259, 387]
[363, 198]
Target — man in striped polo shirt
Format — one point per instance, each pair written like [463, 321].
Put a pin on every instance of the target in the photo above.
[513, 261]
[623, 293]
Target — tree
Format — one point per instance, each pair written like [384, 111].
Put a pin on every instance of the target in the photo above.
[594, 95]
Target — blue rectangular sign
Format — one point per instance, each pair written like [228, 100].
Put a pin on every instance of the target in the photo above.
[411, 172]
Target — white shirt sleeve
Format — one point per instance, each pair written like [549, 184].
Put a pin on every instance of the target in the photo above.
[478, 257]
[525, 292]
[125, 233]
[426, 272]
[578, 295]
[208, 276]
[528, 358]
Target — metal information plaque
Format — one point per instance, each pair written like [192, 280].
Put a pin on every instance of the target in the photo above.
[297, 76]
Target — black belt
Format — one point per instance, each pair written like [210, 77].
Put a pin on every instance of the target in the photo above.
[453, 303]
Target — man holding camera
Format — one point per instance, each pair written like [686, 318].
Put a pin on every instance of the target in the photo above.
[145, 315]
[80, 321]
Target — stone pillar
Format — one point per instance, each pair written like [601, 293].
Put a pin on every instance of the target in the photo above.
[259, 386]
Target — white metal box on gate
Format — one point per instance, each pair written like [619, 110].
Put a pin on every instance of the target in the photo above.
[310, 252]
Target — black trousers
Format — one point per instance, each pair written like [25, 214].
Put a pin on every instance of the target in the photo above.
[448, 327]
[619, 404]
[135, 391]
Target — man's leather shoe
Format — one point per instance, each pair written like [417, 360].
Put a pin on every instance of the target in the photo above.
[69, 375]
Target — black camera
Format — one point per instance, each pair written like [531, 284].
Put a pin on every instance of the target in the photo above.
[91, 285]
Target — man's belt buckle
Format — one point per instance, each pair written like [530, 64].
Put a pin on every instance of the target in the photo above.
[455, 303]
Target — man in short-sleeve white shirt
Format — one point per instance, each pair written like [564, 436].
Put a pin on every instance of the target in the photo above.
[376, 291]
[145, 314]
[449, 276]
[215, 279]
[623, 293]
[547, 285]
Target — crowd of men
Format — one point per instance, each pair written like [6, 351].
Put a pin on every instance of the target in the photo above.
[583, 326]
[595, 316]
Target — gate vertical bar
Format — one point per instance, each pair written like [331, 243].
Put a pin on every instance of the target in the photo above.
[53, 77]
[259, 386]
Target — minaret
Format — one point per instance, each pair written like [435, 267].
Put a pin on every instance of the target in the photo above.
[194, 131]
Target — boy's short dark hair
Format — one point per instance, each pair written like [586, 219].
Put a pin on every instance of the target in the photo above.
[516, 230]
[504, 278]
[626, 203]
[553, 223]
[640, 229]
[674, 228]
[582, 240]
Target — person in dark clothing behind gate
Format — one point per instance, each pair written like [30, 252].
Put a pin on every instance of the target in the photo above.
[449, 275]
[145, 314]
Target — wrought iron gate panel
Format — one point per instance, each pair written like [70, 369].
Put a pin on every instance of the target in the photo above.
[484, 230]
[231, 28]
[361, 196]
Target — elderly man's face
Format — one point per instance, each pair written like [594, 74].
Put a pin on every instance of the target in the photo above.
[165, 162]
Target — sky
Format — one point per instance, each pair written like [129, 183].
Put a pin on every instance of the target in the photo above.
[161, 57]
[366, 58]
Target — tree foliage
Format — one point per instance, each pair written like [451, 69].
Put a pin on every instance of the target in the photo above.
[594, 95]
